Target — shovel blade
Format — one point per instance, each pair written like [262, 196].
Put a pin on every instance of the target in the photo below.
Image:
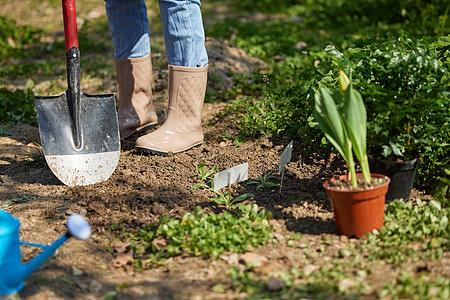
[96, 156]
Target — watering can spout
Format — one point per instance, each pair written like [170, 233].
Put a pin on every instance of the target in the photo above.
[12, 271]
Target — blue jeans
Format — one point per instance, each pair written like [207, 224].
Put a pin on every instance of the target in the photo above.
[184, 35]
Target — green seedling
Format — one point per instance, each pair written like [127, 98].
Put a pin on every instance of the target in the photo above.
[203, 173]
[206, 175]
[263, 181]
[228, 200]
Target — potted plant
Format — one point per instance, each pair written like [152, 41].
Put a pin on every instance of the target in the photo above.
[357, 199]
[405, 85]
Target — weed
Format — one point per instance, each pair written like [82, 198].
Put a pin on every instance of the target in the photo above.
[6, 203]
[202, 234]
[411, 232]
[5, 132]
[421, 287]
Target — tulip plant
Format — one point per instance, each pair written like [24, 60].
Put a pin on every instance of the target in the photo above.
[342, 117]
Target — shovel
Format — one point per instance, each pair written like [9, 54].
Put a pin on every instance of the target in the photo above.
[79, 132]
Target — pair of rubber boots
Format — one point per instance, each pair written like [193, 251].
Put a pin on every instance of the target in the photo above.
[182, 130]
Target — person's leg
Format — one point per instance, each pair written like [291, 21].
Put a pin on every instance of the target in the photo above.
[188, 64]
[184, 35]
[128, 23]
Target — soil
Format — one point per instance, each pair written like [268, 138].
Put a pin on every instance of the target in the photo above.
[145, 187]
[361, 183]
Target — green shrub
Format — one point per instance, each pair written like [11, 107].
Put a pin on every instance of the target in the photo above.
[405, 84]
[267, 6]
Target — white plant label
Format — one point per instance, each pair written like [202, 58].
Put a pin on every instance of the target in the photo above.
[285, 156]
[230, 176]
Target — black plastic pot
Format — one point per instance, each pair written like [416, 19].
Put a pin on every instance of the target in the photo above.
[401, 173]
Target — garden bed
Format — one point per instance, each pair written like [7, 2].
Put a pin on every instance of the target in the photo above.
[144, 188]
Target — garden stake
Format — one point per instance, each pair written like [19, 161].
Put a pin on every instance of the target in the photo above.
[281, 183]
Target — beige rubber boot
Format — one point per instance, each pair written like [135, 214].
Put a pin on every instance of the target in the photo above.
[136, 112]
[182, 129]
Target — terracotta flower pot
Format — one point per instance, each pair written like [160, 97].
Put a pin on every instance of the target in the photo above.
[360, 210]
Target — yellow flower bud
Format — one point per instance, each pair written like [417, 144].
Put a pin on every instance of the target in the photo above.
[344, 82]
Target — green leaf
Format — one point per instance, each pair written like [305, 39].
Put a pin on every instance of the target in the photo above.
[330, 121]
[355, 118]
[4, 132]
[435, 204]
[199, 185]
[333, 126]
[252, 182]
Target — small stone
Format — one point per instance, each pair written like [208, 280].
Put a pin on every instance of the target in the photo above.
[158, 209]
[127, 172]
[253, 259]
[95, 286]
[231, 259]
[275, 284]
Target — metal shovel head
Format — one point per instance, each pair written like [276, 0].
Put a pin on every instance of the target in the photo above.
[96, 156]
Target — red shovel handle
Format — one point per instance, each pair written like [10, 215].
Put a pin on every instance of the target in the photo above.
[70, 24]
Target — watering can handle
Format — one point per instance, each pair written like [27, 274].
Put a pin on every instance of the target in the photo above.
[77, 226]
[70, 24]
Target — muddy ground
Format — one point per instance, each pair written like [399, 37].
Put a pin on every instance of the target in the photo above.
[146, 187]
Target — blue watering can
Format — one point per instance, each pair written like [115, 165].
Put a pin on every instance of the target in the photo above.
[12, 271]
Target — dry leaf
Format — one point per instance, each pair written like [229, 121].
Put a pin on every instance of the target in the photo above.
[309, 269]
[122, 259]
[121, 248]
[160, 243]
